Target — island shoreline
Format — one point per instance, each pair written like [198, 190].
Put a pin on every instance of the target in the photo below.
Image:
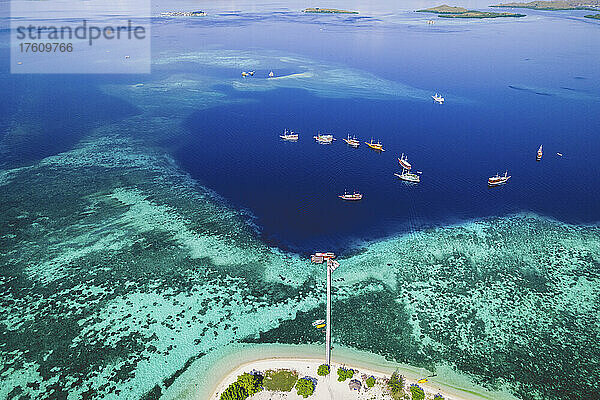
[222, 371]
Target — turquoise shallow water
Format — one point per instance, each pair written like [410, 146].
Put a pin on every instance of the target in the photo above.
[122, 272]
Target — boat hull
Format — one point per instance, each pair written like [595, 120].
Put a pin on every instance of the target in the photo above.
[350, 198]
[409, 177]
[375, 147]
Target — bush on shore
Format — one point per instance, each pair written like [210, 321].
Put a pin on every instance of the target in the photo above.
[252, 383]
[305, 387]
[323, 370]
[344, 374]
[416, 392]
[245, 386]
[370, 381]
[396, 385]
[235, 391]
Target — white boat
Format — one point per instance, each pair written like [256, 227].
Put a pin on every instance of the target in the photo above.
[408, 176]
[540, 153]
[324, 139]
[438, 98]
[251, 73]
[318, 322]
[351, 197]
[271, 74]
[352, 141]
[498, 179]
[289, 135]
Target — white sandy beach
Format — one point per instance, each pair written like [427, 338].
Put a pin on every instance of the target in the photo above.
[209, 378]
[327, 388]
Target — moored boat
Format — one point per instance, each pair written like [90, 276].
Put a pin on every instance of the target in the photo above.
[408, 176]
[351, 197]
[289, 135]
[318, 322]
[324, 139]
[498, 179]
[404, 162]
[352, 141]
[539, 153]
[375, 146]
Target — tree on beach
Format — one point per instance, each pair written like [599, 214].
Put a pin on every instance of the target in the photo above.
[396, 385]
[416, 392]
[370, 381]
[323, 370]
[235, 391]
[305, 387]
[344, 374]
[252, 383]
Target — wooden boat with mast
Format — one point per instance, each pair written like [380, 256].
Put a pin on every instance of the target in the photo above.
[375, 146]
[406, 175]
[498, 179]
[324, 139]
[352, 141]
[355, 196]
[404, 162]
[290, 136]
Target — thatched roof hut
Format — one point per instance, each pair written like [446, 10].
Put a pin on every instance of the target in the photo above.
[354, 384]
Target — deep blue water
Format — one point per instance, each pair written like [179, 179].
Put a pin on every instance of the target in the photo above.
[292, 188]
[510, 86]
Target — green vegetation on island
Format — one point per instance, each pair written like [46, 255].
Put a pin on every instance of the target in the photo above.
[245, 386]
[370, 381]
[396, 386]
[482, 14]
[305, 387]
[323, 370]
[282, 380]
[555, 5]
[318, 10]
[593, 16]
[416, 392]
[344, 374]
[446, 11]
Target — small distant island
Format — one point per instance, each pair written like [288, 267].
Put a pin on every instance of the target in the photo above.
[555, 5]
[183, 14]
[446, 11]
[593, 16]
[318, 10]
